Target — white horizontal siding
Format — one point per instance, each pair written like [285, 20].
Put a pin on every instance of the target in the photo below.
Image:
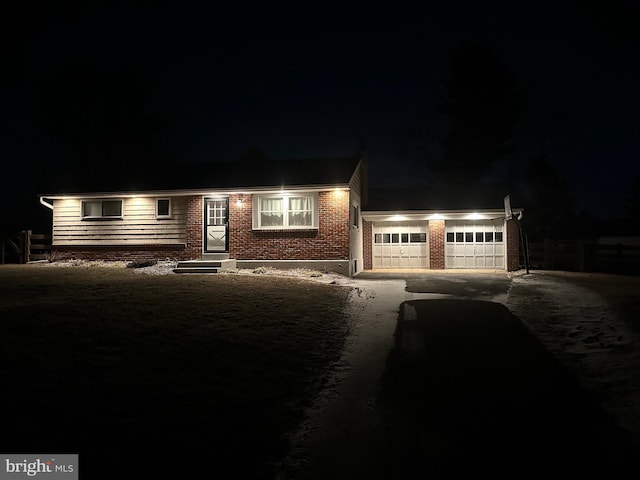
[138, 226]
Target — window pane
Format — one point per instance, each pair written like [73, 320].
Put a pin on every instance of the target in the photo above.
[498, 236]
[468, 237]
[299, 219]
[449, 237]
[479, 237]
[422, 237]
[488, 236]
[459, 237]
[112, 208]
[378, 238]
[395, 238]
[300, 210]
[405, 238]
[271, 212]
[271, 205]
[92, 209]
[386, 238]
[163, 207]
[271, 219]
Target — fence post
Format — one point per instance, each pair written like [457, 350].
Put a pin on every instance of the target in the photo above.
[25, 246]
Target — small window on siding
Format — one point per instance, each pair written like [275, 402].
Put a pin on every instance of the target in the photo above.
[355, 213]
[163, 208]
[94, 209]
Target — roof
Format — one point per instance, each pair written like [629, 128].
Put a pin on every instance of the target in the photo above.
[250, 174]
[438, 197]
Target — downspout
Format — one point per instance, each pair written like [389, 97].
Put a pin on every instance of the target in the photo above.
[46, 204]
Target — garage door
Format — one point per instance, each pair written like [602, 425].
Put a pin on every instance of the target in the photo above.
[400, 245]
[470, 244]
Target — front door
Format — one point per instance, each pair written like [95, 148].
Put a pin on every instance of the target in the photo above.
[216, 225]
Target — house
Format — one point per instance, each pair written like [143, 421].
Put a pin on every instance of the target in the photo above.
[312, 214]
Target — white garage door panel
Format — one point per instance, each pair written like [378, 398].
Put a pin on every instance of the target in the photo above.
[400, 245]
[474, 244]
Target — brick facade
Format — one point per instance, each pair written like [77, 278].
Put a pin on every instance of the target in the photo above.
[329, 242]
[121, 252]
[195, 219]
[436, 244]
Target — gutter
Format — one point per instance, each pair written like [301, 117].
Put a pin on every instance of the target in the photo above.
[45, 203]
[200, 191]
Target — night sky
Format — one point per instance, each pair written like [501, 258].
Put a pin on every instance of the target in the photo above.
[94, 87]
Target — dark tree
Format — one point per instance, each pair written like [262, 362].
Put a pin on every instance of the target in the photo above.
[484, 107]
[549, 211]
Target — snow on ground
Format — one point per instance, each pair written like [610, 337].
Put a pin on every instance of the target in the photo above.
[581, 330]
[573, 323]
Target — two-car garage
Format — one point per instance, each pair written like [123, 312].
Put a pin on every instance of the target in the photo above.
[464, 240]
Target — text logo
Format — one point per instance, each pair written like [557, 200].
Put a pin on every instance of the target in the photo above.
[45, 467]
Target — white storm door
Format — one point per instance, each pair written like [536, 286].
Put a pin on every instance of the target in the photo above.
[216, 225]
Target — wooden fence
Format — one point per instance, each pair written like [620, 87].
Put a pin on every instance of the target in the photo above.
[25, 247]
[584, 256]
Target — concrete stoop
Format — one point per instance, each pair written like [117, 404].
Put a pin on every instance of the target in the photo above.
[205, 266]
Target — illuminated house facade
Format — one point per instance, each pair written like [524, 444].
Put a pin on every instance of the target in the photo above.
[305, 214]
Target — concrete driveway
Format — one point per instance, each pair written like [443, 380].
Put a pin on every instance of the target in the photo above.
[440, 380]
[470, 284]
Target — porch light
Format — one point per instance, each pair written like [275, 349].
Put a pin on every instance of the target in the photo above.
[475, 216]
[239, 202]
[436, 216]
[338, 193]
[398, 218]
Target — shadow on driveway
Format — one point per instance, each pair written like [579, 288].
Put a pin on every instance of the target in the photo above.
[468, 390]
[485, 285]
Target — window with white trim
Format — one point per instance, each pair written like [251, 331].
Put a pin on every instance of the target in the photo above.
[98, 209]
[163, 208]
[290, 211]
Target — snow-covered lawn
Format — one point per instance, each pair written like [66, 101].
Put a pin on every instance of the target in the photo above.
[591, 323]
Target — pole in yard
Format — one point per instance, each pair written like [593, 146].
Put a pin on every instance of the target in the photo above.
[525, 256]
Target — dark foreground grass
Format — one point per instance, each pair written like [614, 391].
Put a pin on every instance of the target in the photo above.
[161, 376]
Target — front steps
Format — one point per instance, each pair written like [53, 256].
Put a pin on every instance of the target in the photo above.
[205, 266]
